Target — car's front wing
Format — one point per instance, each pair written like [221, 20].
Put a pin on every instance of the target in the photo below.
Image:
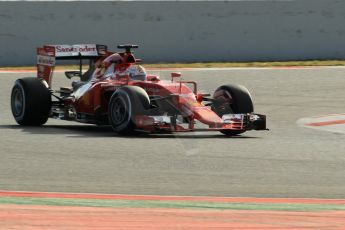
[240, 122]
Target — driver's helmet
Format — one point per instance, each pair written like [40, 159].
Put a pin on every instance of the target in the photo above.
[137, 72]
[107, 67]
[114, 58]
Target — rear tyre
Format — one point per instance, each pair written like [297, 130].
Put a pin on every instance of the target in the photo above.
[232, 99]
[30, 102]
[124, 105]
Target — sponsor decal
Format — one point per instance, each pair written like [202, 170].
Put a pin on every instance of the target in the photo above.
[41, 68]
[74, 50]
[86, 99]
[111, 88]
[45, 60]
[152, 90]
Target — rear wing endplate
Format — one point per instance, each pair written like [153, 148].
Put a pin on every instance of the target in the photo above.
[48, 54]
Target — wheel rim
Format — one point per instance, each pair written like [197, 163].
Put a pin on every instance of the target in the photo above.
[119, 112]
[18, 102]
[226, 105]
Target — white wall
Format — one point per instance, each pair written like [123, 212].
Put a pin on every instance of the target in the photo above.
[179, 31]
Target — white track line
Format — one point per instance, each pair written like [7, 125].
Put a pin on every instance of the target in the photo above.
[331, 123]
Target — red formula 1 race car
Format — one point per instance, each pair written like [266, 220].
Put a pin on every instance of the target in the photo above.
[116, 91]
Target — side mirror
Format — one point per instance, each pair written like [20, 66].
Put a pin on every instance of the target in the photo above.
[70, 74]
[153, 78]
[175, 75]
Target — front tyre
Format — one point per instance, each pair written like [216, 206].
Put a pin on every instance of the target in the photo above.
[232, 99]
[124, 105]
[30, 102]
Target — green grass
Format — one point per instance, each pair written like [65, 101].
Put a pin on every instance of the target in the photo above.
[248, 64]
[169, 204]
[216, 64]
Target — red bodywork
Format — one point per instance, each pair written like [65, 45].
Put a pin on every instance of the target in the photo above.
[94, 99]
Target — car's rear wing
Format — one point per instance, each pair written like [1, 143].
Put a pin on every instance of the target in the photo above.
[48, 54]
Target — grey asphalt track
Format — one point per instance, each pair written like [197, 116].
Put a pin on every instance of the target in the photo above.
[287, 161]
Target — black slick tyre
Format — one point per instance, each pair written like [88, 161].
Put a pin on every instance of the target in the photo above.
[30, 102]
[232, 99]
[124, 105]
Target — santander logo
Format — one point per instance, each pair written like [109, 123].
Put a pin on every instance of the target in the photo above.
[64, 49]
[87, 49]
[69, 49]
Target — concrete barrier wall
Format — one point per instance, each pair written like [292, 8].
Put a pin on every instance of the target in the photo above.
[179, 31]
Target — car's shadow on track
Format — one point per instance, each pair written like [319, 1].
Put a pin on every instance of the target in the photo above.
[73, 131]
